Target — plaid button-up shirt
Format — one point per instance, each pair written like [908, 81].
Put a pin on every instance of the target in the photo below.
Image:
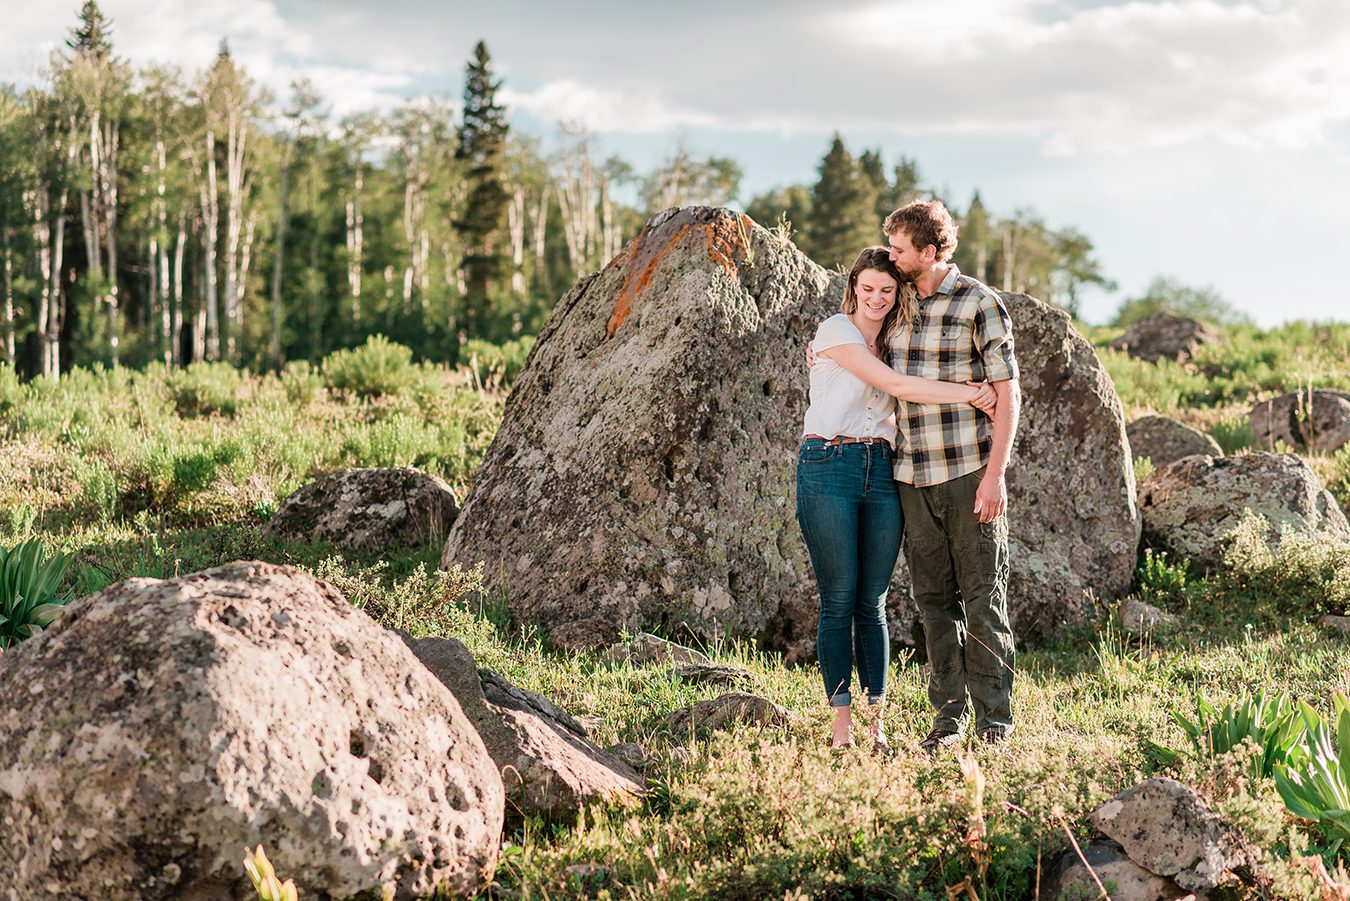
[961, 333]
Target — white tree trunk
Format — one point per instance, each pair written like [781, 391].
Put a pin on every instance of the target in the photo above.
[210, 241]
[179, 249]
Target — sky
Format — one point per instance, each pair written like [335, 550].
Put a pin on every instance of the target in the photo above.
[1205, 140]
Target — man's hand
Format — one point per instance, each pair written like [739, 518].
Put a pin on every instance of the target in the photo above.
[991, 498]
[810, 356]
[985, 399]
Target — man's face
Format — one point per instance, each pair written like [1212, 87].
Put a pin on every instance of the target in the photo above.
[906, 258]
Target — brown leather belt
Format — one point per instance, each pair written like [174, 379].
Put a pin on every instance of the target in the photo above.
[845, 439]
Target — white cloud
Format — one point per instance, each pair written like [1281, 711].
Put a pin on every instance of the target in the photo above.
[605, 109]
[273, 50]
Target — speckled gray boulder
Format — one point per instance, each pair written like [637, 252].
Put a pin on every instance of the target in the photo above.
[1163, 440]
[1073, 523]
[1318, 420]
[644, 471]
[1070, 880]
[165, 726]
[1168, 829]
[1165, 336]
[1192, 505]
[368, 510]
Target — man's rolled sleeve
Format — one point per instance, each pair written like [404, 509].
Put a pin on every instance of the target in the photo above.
[994, 340]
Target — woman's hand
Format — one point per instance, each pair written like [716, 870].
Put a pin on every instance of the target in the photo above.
[810, 356]
[985, 398]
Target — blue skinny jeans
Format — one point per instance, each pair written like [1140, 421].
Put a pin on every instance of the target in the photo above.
[849, 511]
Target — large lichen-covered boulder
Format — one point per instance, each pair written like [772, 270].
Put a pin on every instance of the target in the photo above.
[1193, 505]
[1316, 420]
[159, 728]
[1163, 440]
[369, 510]
[1072, 518]
[1166, 336]
[644, 471]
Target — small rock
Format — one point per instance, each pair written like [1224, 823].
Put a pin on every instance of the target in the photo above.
[1165, 440]
[587, 876]
[724, 711]
[1138, 617]
[1339, 623]
[630, 753]
[1124, 879]
[709, 674]
[368, 510]
[1165, 336]
[1168, 829]
[681, 757]
[647, 648]
[1318, 420]
[589, 723]
[590, 634]
[548, 764]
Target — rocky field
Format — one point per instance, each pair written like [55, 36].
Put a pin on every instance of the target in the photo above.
[545, 632]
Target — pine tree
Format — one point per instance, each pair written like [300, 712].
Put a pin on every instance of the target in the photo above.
[976, 246]
[871, 165]
[843, 210]
[91, 37]
[482, 145]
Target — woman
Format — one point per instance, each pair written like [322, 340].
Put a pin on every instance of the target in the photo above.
[847, 503]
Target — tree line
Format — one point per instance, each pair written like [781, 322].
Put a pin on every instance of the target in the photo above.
[153, 216]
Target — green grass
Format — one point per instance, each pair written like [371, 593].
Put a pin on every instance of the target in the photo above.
[151, 473]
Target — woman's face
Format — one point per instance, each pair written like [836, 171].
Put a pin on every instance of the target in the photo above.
[875, 291]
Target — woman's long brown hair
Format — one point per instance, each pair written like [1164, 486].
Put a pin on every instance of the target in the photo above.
[906, 296]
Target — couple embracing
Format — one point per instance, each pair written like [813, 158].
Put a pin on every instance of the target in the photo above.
[913, 407]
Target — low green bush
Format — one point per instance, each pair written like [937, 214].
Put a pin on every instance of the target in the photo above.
[1303, 572]
[201, 389]
[378, 367]
[497, 365]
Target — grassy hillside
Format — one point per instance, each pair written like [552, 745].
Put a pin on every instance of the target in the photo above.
[156, 473]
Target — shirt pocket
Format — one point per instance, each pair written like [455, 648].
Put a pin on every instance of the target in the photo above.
[956, 350]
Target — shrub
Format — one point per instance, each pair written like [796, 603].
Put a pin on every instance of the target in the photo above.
[99, 490]
[10, 389]
[201, 389]
[301, 383]
[1233, 431]
[193, 471]
[28, 583]
[496, 366]
[1305, 572]
[375, 368]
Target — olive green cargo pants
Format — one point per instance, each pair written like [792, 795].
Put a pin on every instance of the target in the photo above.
[959, 570]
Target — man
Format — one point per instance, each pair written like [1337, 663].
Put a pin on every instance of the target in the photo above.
[950, 466]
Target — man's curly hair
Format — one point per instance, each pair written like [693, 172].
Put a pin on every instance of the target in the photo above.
[925, 222]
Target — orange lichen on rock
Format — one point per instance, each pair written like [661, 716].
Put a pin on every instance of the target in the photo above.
[724, 237]
[725, 234]
[639, 276]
